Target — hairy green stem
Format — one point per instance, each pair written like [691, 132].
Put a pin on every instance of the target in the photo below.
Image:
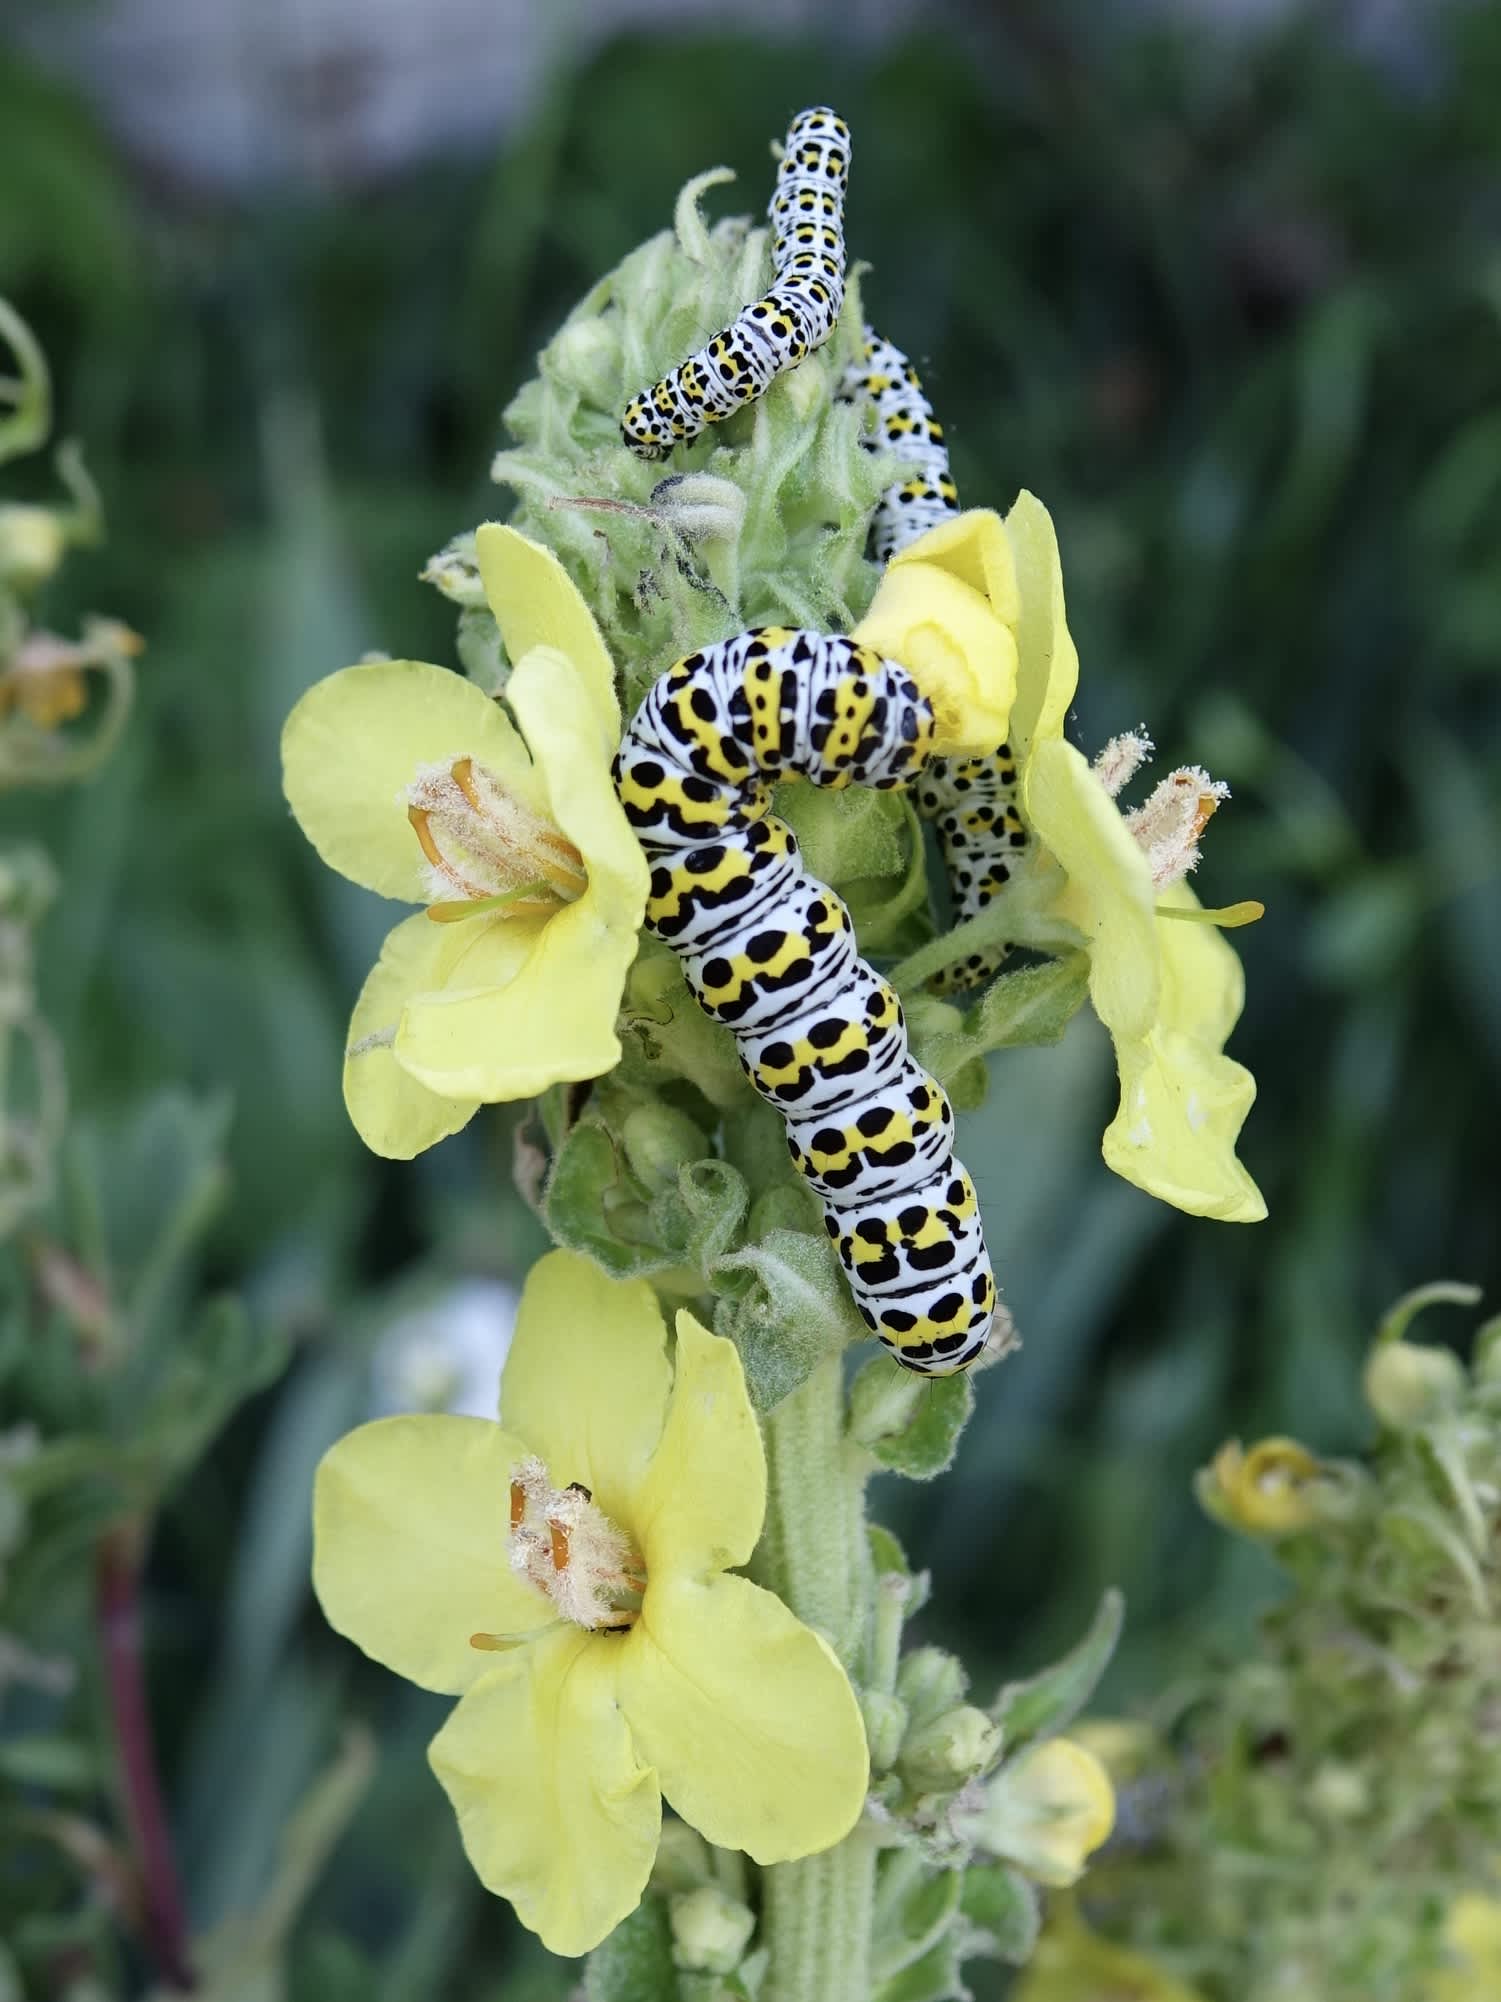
[817, 1915]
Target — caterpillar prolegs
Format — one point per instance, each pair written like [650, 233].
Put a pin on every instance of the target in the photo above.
[770, 952]
[797, 315]
[972, 801]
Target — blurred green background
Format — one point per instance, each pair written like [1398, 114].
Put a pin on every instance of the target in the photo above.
[1231, 304]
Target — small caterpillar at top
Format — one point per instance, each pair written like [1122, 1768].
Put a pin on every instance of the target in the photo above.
[798, 313]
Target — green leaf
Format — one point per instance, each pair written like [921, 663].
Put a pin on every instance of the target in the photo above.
[1045, 1703]
[1034, 1005]
[934, 1978]
[1005, 1907]
[911, 1923]
[60, 1764]
[909, 1423]
[635, 1963]
[786, 1307]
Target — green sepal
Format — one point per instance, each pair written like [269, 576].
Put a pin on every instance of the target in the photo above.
[635, 1963]
[888, 1556]
[699, 1219]
[1004, 1909]
[1044, 1704]
[937, 1977]
[908, 1423]
[595, 1205]
[909, 1925]
[1034, 1005]
[785, 1306]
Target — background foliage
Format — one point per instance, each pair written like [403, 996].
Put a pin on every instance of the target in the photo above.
[1234, 311]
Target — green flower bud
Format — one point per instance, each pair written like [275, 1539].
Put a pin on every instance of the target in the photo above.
[956, 1746]
[682, 1860]
[1339, 1792]
[700, 507]
[1407, 1386]
[659, 1141]
[585, 357]
[930, 1682]
[885, 1727]
[883, 1403]
[33, 541]
[710, 1931]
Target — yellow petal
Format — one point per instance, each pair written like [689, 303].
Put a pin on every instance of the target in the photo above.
[586, 1378]
[573, 750]
[974, 548]
[353, 745]
[546, 1016]
[1048, 1811]
[394, 1114]
[959, 653]
[536, 603]
[1109, 895]
[1047, 672]
[1183, 1101]
[702, 1504]
[556, 1810]
[411, 1523]
[747, 1716]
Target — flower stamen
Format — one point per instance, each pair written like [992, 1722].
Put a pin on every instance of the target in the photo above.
[568, 1547]
[486, 849]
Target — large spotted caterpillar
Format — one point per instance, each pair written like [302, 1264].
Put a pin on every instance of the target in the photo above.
[971, 800]
[798, 313]
[770, 952]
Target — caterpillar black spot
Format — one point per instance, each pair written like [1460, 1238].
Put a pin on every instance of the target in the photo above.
[798, 313]
[972, 801]
[770, 952]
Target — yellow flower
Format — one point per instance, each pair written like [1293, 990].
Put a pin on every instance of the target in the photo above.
[412, 782]
[1472, 1941]
[1073, 1964]
[566, 1574]
[946, 609]
[1168, 989]
[1266, 1491]
[1047, 1811]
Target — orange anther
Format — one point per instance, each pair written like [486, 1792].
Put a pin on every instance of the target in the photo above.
[462, 773]
[418, 816]
[559, 1534]
[518, 1504]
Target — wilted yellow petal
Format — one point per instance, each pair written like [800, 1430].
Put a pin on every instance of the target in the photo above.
[556, 1809]
[702, 1503]
[353, 745]
[586, 1378]
[410, 1527]
[747, 1716]
[536, 603]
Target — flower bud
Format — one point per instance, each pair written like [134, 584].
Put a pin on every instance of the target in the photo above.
[1266, 1491]
[1339, 1792]
[956, 1746]
[682, 1859]
[700, 507]
[1046, 1811]
[1408, 1386]
[710, 1931]
[659, 1141]
[885, 1727]
[455, 572]
[883, 1402]
[585, 357]
[930, 1682]
[32, 543]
